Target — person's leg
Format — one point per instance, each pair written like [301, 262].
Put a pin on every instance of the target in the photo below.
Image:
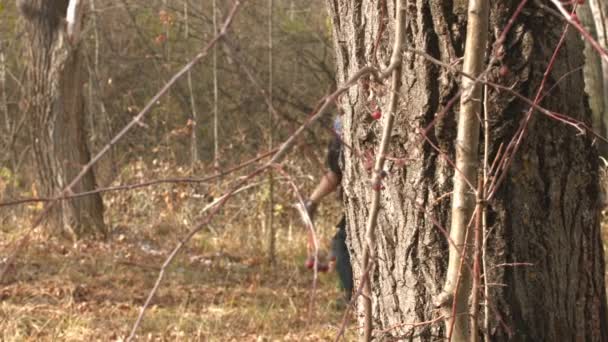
[343, 266]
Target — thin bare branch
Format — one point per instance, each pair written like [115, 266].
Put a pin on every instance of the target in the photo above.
[207, 179]
[161, 274]
[573, 20]
[378, 174]
[463, 200]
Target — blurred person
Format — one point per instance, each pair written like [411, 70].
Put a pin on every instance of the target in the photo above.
[330, 182]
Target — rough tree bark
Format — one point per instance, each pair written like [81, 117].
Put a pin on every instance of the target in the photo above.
[546, 211]
[56, 77]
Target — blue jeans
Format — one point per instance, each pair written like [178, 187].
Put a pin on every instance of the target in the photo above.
[343, 266]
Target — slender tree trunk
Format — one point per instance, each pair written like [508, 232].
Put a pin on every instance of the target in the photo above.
[546, 211]
[6, 120]
[58, 126]
[99, 112]
[271, 229]
[216, 146]
[194, 157]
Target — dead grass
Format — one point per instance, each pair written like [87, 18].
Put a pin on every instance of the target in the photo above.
[93, 291]
[219, 289]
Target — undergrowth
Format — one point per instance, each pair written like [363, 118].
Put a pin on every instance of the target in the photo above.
[220, 288]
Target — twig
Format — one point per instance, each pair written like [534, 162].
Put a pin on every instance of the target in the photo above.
[467, 145]
[270, 218]
[413, 325]
[216, 206]
[184, 241]
[503, 36]
[315, 241]
[139, 185]
[351, 305]
[369, 248]
[381, 27]
[215, 94]
[484, 214]
[573, 20]
[515, 143]
[512, 264]
[476, 262]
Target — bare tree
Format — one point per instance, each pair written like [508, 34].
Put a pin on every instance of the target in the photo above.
[194, 157]
[270, 211]
[56, 77]
[215, 94]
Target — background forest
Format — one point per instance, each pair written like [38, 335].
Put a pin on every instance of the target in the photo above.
[242, 277]
[224, 286]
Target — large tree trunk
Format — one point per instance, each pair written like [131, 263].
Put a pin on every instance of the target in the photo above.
[546, 211]
[58, 125]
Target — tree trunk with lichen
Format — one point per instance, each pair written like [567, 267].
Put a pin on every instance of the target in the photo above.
[546, 212]
[56, 76]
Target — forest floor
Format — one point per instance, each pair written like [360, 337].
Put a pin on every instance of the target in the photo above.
[88, 291]
[219, 288]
